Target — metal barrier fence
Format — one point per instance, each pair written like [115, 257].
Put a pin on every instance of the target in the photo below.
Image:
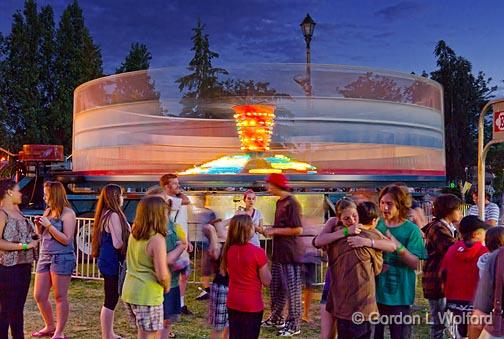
[87, 267]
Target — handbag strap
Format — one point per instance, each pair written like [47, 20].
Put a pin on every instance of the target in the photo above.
[499, 278]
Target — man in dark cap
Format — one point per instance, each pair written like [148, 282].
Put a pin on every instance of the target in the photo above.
[286, 259]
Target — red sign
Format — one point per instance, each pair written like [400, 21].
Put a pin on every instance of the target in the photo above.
[498, 126]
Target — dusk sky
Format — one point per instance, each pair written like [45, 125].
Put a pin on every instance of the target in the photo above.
[397, 35]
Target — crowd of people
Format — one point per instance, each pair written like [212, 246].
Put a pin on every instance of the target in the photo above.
[374, 253]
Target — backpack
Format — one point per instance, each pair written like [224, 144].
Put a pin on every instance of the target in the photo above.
[496, 328]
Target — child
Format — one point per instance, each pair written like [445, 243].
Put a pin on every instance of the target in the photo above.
[331, 232]
[346, 223]
[147, 277]
[459, 269]
[354, 263]
[248, 270]
[440, 234]
[217, 309]
[494, 238]
[395, 286]
[110, 236]
[176, 244]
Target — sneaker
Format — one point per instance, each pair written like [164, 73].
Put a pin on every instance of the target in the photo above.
[288, 332]
[185, 311]
[204, 295]
[270, 323]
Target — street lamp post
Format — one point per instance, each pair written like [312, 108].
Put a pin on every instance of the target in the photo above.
[307, 27]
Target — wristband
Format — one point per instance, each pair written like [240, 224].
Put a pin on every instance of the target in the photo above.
[24, 247]
[372, 243]
[400, 248]
[345, 231]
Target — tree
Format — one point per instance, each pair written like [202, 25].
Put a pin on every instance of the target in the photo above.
[464, 97]
[78, 60]
[373, 86]
[47, 81]
[137, 59]
[202, 84]
[20, 88]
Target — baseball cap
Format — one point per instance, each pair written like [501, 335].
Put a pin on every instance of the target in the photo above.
[471, 223]
[279, 180]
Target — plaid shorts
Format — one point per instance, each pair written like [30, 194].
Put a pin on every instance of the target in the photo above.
[146, 318]
[217, 309]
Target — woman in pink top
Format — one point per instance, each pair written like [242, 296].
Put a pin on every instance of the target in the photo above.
[247, 267]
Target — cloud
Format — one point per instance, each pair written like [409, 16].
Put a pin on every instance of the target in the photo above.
[400, 10]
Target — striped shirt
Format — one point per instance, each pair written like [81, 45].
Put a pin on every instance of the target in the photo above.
[491, 211]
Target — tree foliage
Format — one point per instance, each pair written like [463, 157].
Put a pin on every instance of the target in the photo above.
[202, 84]
[137, 59]
[39, 69]
[373, 86]
[78, 60]
[206, 88]
[141, 87]
[464, 96]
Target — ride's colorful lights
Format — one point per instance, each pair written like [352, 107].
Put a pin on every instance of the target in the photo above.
[235, 164]
[254, 124]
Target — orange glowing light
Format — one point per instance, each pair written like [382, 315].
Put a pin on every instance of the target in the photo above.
[255, 126]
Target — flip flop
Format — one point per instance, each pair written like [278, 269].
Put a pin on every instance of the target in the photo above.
[42, 333]
[172, 335]
[63, 337]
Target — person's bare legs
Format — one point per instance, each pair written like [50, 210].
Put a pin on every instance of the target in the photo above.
[183, 278]
[61, 284]
[211, 233]
[165, 332]
[148, 334]
[307, 301]
[107, 323]
[41, 296]
[220, 334]
[327, 324]
[205, 281]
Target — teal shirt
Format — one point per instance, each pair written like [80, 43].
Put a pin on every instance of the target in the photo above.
[396, 286]
[171, 244]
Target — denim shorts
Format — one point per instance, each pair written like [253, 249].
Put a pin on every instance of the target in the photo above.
[61, 264]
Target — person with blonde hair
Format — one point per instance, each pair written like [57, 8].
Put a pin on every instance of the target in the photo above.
[147, 277]
[57, 259]
[110, 237]
[18, 242]
[176, 244]
[247, 267]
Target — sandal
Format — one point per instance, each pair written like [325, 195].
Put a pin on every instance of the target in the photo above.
[42, 333]
[172, 335]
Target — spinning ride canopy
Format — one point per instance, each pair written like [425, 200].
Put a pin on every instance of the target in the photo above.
[357, 123]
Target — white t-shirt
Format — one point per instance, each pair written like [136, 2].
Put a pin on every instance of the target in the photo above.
[256, 218]
[491, 211]
[179, 212]
[178, 215]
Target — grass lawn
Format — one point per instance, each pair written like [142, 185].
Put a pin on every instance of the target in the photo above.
[86, 298]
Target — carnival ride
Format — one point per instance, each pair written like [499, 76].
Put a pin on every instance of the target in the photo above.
[357, 126]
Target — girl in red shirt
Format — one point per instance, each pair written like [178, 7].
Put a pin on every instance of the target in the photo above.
[247, 267]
